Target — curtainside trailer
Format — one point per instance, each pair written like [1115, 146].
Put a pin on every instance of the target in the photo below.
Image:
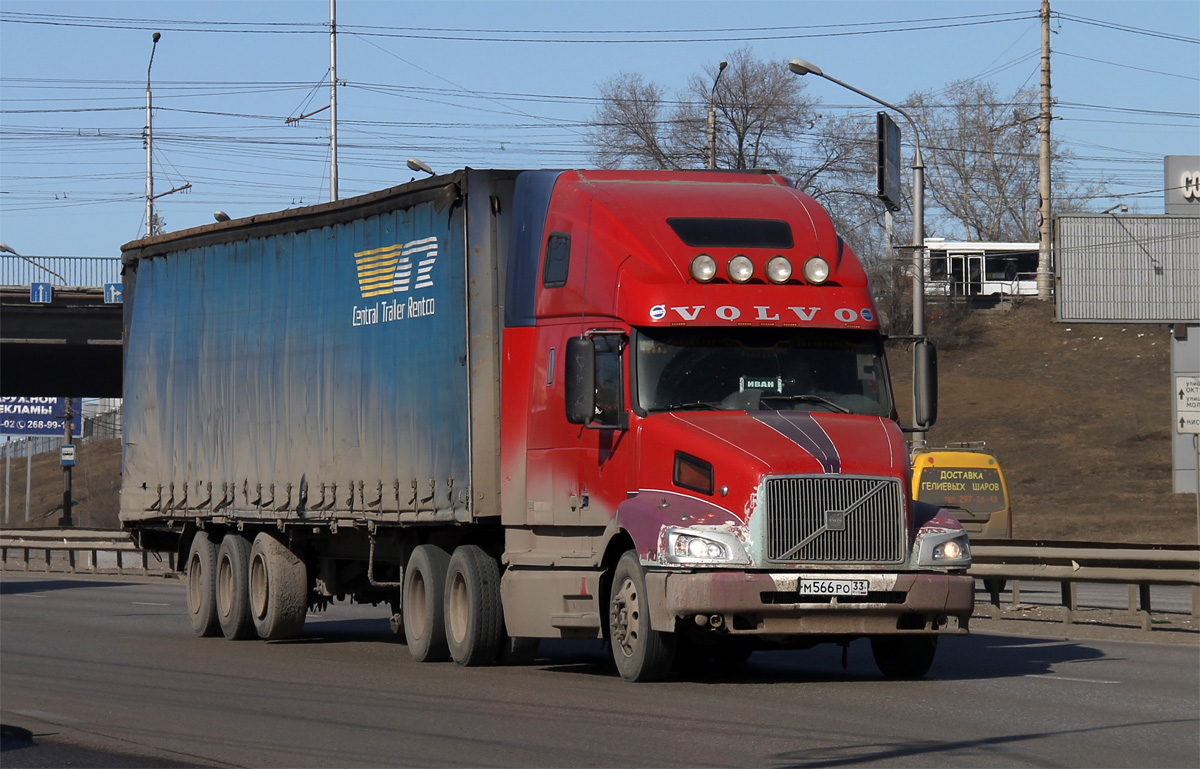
[648, 407]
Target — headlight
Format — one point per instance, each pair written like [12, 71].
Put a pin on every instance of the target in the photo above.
[689, 546]
[704, 268]
[740, 268]
[779, 269]
[945, 550]
[816, 270]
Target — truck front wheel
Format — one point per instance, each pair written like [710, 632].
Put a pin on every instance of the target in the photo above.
[641, 654]
[424, 597]
[904, 656]
[233, 595]
[201, 586]
[474, 619]
[278, 589]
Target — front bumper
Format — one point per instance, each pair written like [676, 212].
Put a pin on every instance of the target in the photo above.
[769, 604]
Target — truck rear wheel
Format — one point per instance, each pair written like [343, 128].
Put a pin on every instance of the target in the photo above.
[641, 654]
[233, 595]
[424, 591]
[904, 656]
[474, 619]
[201, 586]
[278, 585]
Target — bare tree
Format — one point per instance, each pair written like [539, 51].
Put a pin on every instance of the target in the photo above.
[761, 116]
[982, 161]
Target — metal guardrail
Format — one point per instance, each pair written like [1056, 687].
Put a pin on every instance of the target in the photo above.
[60, 270]
[60, 550]
[1068, 563]
[1071, 563]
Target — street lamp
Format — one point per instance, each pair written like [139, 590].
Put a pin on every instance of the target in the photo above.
[712, 118]
[802, 67]
[7, 249]
[150, 144]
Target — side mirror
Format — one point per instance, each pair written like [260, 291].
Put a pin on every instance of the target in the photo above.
[926, 402]
[579, 380]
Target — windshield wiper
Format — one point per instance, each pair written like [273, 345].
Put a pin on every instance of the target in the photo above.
[805, 399]
[691, 406]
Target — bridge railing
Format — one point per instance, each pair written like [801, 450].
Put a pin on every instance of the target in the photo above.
[76, 550]
[60, 270]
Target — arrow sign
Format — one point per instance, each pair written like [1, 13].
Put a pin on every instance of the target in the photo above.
[41, 293]
[1187, 404]
[112, 293]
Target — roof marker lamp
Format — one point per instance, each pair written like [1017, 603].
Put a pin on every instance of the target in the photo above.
[740, 269]
[779, 269]
[816, 270]
[703, 268]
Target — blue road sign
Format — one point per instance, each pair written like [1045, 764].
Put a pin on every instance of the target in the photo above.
[38, 416]
[41, 293]
[112, 293]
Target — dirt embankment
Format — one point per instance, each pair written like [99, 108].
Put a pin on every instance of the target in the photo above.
[1079, 416]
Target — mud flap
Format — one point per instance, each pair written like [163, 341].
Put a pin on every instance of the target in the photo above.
[661, 618]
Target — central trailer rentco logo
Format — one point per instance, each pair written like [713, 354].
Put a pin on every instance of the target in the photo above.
[391, 271]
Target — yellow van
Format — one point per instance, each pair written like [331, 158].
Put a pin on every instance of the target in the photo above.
[966, 480]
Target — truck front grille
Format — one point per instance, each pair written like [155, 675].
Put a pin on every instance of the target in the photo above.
[835, 519]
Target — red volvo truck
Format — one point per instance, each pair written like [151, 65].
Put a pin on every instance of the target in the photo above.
[647, 407]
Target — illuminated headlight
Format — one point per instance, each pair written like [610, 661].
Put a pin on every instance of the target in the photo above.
[779, 270]
[704, 268]
[740, 268]
[816, 270]
[688, 546]
[948, 550]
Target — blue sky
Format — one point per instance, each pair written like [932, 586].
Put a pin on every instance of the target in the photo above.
[505, 84]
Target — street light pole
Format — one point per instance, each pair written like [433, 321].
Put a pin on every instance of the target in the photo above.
[712, 118]
[150, 144]
[802, 67]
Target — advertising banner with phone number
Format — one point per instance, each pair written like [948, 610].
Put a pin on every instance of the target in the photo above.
[38, 416]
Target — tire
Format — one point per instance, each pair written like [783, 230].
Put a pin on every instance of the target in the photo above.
[233, 595]
[278, 589]
[641, 654]
[202, 586]
[424, 599]
[904, 656]
[474, 618]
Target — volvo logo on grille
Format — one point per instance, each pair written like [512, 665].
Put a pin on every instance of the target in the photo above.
[835, 520]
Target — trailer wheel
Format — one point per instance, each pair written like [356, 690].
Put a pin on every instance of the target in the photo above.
[201, 586]
[904, 656]
[278, 586]
[233, 595]
[424, 590]
[641, 654]
[474, 618]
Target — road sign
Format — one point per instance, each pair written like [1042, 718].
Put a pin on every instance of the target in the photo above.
[66, 455]
[41, 293]
[38, 416]
[112, 293]
[1187, 404]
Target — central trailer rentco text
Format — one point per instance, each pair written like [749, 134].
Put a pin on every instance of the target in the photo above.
[648, 407]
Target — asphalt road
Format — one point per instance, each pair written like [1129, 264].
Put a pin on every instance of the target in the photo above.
[108, 673]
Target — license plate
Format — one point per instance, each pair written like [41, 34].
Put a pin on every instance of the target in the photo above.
[833, 586]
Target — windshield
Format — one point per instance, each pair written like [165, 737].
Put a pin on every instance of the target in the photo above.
[761, 369]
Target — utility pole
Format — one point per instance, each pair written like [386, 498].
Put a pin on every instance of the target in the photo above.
[1044, 277]
[68, 417]
[712, 118]
[333, 161]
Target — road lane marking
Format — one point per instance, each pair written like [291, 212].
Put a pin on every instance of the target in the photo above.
[145, 603]
[1068, 678]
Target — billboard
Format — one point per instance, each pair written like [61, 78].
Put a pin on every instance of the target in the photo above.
[38, 416]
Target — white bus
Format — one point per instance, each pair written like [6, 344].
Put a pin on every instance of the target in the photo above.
[959, 268]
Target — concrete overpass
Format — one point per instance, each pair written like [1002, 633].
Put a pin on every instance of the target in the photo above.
[61, 340]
